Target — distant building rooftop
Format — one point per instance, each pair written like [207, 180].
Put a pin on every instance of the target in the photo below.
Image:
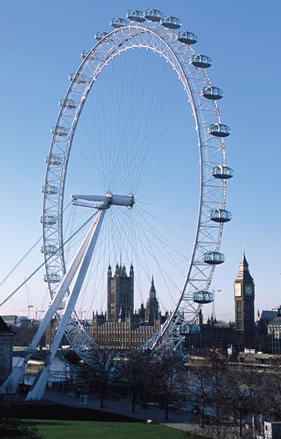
[3, 326]
[10, 320]
[268, 315]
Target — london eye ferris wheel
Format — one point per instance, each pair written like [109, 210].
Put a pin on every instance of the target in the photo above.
[137, 110]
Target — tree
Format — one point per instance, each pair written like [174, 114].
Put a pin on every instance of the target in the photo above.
[104, 371]
[198, 388]
[137, 370]
[272, 398]
[237, 391]
[171, 381]
[220, 427]
[101, 372]
[253, 385]
[208, 386]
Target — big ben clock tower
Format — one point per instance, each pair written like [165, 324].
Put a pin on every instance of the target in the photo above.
[244, 296]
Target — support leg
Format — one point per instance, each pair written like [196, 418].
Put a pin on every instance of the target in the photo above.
[12, 382]
[40, 385]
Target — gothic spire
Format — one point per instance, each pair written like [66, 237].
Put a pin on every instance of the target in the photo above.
[152, 292]
[244, 269]
[244, 261]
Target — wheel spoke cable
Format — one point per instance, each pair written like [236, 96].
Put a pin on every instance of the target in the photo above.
[43, 263]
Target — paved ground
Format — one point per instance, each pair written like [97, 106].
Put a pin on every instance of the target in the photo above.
[177, 419]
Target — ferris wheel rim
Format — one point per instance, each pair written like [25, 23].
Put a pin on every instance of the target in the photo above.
[59, 232]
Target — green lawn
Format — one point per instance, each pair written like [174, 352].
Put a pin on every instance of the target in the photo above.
[52, 429]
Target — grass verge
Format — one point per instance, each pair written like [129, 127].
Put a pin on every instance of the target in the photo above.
[56, 429]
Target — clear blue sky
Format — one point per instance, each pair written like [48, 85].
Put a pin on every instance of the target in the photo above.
[40, 45]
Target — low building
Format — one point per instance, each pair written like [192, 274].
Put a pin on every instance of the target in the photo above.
[274, 335]
[123, 335]
[10, 320]
[6, 349]
[214, 334]
[272, 430]
[264, 319]
[250, 356]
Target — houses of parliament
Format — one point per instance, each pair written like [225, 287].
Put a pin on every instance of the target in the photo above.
[121, 327]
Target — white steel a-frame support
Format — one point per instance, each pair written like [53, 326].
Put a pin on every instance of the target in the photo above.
[12, 382]
[79, 267]
[37, 391]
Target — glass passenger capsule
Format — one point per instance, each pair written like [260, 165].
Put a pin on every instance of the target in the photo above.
[220, 215]
[48, 220]
[79, 78]
[84, 53]
[153, 15]
[67, 103]
[49, 249]
[203, 297]
[212, 93]
[100, 35]
[222, 172]
[213, 258]
[59, 131]
[201, 61]
[219, 130]
[171, 22]
[135, 15]
[53, 278]
[53, 160]
[188, 328]
[49, 189]
[187, 37]
[118, 22]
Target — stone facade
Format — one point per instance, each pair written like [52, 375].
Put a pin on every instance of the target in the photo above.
[120, 293]
[121, 328]
[122, 335]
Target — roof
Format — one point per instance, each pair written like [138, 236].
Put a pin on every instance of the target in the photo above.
[244, 273]
[275, 322]
[3, 326]
[268, 315]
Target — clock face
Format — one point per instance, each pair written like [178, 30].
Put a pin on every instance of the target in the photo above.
[248, 289]
[237, 290]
